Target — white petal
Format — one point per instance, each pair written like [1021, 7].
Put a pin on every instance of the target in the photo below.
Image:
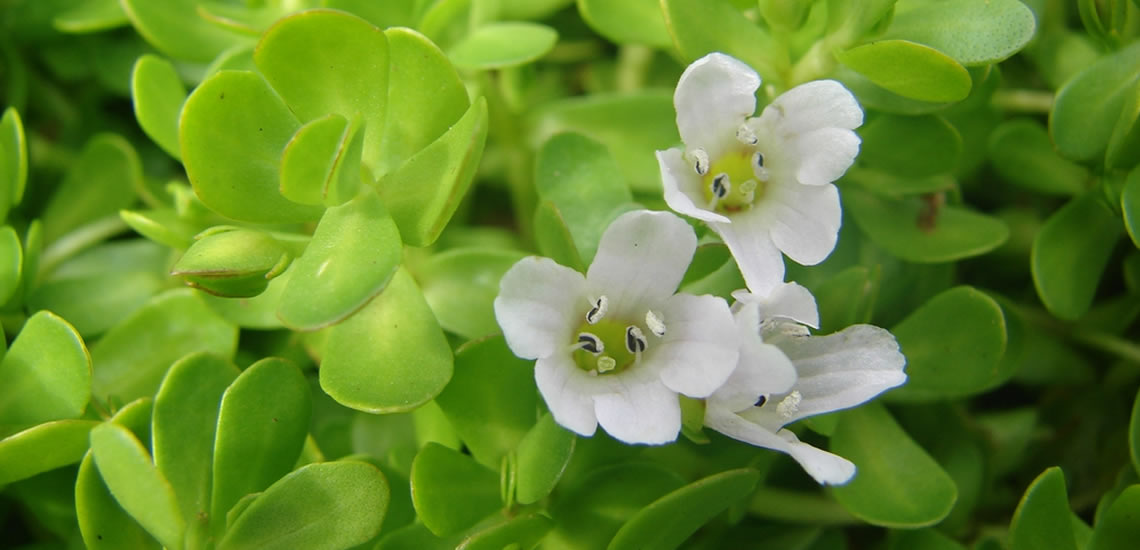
[682, 187]
[804, 220]
[785, 301]
[714, 96]
[539, 305]
[814, 105]
[824, 467]
[823, 155]
[571, 404]
[838, 371]
[762, 369]
[700, 347]
[751, 246]
[641, 259]
[643, 413]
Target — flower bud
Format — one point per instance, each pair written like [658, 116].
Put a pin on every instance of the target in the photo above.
[232, 262]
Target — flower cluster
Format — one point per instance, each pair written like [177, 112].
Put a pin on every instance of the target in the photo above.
[617, 346]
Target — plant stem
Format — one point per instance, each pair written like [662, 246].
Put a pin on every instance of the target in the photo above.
[1024, 101]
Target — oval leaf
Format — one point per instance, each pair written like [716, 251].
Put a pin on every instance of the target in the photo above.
[612, 20]
[1117, 528]
[11, 263]
[461, 284]
[931, 145]
[46, 373]
[158, 94]
[1070, 253]
[101, 183]
[104, 524]
[1021, 151]
[910, 70]
[175, 28]
[450, 491]
[321, 164]
[1086, 109]
[42, 448]
[502, 45]
[13, 161]
[699, 27]
[542, 456]
[1041, 521]
[974, 32]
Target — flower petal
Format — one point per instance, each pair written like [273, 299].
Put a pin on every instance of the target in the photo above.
[814, 105]
[714, 96]
[640, 261]
[682, 187]
[700, 347]
[751, 246]
[824, 154]
[761, 370]
[804, 220]
[785, 301]
[641, 413]
[571, 404]
[824, 467]
[539, 305]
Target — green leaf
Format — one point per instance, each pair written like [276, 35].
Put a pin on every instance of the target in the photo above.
[699, 27]
[320, 506]
[175, 28]
[1087, 108]
[490, 400]
[137, 485]
[258, 312]
[542, 456]
[11, 263]
[42, 448]
[262, 425]
[323, 62]
[164, 226]
[1124, 143]
[46, 373]
[1070, 253]
[233, 130]
[91, 16]
[132, 358]
[461, 284]
[393, 338]
[910, 146]
[522, 531]
[184, 425]
[923, 539]
[1021, 151]
[1130, 204]
[671, 519]
[425, 191]
[353, 255]
[612, 20]
[553, 237]
[102, 182]
[1117, 528]
[158, 95]
[973, 32]
[922, 231]
[1041, 521]
[102, 522]
[953, 345]
[13, 161]
[911, 70]
[1134, 434]
[897, 484]
[232, 261]
[580, 177]
[450, 491]
[502, 45]
[321, 164]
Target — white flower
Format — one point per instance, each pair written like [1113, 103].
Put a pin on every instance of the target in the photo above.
[762, 183]
[616, 347]
[785, 375]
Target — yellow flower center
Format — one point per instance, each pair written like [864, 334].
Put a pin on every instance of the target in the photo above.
[731, 183]
[612, 335]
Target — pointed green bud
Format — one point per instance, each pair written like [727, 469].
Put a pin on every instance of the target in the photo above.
[233, 262]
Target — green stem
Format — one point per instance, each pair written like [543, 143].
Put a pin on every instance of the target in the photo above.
[632, 65]
[798, 507]
[80, 239]
[1024, 101]
[1117, 346]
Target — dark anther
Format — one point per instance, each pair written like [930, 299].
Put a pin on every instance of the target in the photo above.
[760, 401]
[590, 342]
[634, 340]
[719, 186]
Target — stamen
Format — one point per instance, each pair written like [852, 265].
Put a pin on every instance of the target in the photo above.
[748, 190]
[758, 166]
[720, 186]
[758, 159]
[760, 401]
[700, 161]
[601, 306]
[656, 324]
[790, 405]
[590, 343]
[606, 364]
[634, 339]
[745, 135]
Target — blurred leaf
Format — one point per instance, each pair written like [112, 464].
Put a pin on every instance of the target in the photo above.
[158, 95]
[612, 20]
[91, 16]
[1117, 528]
[922, 539]
[502, 45]
[1087, 108]
[910, 146]
[1124, 143]
[911, 70]
[1070, 254]
[1041, 521]
[451, 492]
[320, 506]
[394, 337]
[542, 456]
[102, 182]
[13, 160]
[132, 358]
[46, 372]
[1134, 434]
[924, 231]
[523, 531]
[553, 236]
[671, 519]
[953, 346]
[1021, 151]
[11, 263]
[353, 255]
[461, 284]
[897, 484]
[175, 28]
[973, 32]
[1130, 204]
[699, 27]
[262, 424]
[42, 448]
[140, 489]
